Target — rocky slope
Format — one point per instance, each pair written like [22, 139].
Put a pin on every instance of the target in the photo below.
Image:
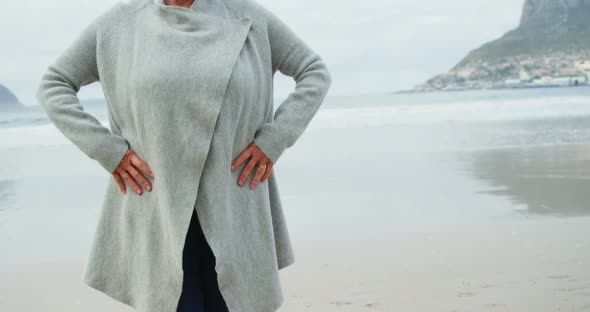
[8, 101]
[546, 26]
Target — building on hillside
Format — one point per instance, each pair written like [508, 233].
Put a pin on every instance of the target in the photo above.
[583, 65]
[561, 80]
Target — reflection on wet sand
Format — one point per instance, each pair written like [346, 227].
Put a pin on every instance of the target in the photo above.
[548, 179]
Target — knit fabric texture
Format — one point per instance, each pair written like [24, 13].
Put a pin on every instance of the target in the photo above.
[187, 89]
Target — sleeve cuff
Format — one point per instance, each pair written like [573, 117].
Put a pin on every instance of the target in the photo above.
[269, 142]
[110, 153]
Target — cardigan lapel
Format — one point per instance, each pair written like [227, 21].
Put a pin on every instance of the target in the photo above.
[210, 18]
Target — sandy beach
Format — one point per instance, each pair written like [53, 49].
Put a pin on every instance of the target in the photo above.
[462, 204]
[539, 265]
[517, 266]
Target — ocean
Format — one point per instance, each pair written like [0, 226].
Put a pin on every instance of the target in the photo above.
[368, 166]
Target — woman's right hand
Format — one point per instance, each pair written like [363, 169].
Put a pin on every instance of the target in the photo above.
[128, 170]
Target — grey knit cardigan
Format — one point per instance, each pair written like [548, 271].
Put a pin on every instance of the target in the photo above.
[187, 89]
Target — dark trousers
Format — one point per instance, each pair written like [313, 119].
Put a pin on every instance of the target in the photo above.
[200, 291]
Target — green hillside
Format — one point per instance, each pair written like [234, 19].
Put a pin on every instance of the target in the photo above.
[557, 28]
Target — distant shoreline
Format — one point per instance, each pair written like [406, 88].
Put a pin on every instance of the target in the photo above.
[497, 88]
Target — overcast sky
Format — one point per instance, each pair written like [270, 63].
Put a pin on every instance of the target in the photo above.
[369, 46]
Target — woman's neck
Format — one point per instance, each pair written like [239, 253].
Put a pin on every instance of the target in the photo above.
[181, 3]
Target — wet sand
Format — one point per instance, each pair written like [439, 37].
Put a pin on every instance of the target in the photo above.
[547, 180]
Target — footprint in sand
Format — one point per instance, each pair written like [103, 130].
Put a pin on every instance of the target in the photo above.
[572, 288]
[557, 276]
[465, 294]
[373, 305]
[340, 303]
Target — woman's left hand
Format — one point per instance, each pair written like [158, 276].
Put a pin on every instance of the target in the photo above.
[258, 161]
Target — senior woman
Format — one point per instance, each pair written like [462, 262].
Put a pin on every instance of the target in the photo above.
[194, 134]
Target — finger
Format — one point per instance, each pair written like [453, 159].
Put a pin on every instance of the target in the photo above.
[139, 178]
[120, 182]
[257, 174]
[246, 171]
[129, 179]
[267, 171]
[243, 156]
[141, 165]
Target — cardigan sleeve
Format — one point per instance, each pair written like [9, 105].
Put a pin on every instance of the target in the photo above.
[57, 93]
[292, 57]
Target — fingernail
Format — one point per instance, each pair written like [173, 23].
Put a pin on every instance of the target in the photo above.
[233, 167]
[152, 175]
[149, 188]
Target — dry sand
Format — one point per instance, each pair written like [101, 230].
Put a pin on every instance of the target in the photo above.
[526, 266]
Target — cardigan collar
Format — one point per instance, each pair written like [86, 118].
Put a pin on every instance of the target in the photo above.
[216, 36]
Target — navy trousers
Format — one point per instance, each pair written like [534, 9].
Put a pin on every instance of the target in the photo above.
[200, 291]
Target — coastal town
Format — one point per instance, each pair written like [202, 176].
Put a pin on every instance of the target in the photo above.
[522, 71]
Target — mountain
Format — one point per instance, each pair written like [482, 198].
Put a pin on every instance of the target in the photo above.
[551, 44]
[8, 101]
[546, 26]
